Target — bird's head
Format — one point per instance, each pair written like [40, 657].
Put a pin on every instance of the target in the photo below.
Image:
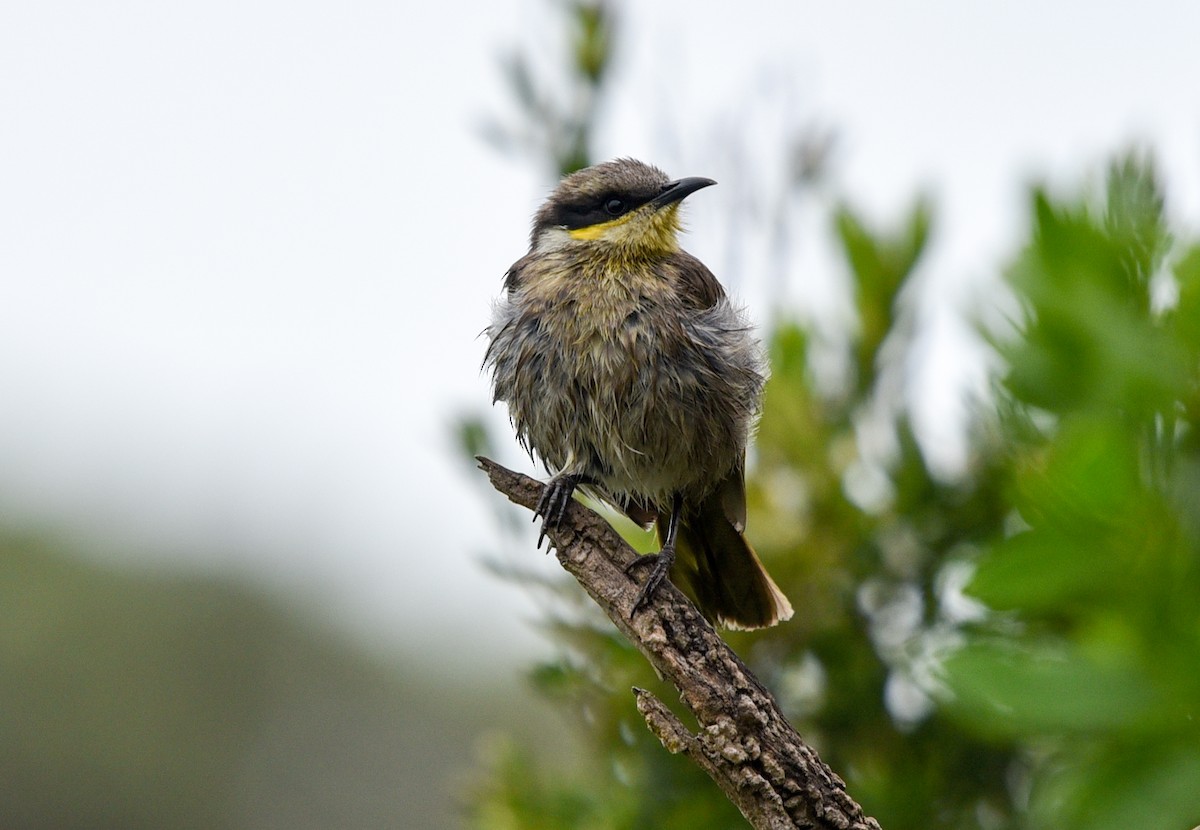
[624, 205]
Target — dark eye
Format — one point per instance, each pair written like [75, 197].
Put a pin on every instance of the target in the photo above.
[614, 207]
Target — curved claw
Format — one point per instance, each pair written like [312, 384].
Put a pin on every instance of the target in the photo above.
[552, 506]
[638, 561]
[661, 563]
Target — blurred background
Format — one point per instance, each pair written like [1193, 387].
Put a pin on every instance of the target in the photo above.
[250, 577]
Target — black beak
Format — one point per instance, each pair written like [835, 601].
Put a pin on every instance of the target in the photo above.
[677, 190]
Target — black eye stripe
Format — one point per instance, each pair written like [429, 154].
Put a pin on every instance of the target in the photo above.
[594, 210]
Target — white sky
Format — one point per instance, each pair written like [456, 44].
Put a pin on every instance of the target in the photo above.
[246, 248]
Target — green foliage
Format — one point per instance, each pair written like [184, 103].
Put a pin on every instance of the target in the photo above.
[1092, 657]
[1090, 339]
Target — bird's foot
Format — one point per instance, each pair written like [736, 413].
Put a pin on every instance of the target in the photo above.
[660, 565]
[556, 498]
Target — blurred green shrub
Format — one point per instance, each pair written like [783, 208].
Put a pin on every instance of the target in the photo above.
[1091, 659]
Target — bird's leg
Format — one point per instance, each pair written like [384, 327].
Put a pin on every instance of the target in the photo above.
[660, 562]
[556, 497]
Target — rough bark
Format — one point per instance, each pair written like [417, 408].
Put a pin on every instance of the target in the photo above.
[744, 744]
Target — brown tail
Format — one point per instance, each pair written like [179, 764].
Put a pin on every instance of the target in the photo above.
[726, 578]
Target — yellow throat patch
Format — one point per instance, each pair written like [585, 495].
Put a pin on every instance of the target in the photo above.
[598, 230]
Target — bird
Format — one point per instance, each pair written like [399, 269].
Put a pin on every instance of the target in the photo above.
[631, 374]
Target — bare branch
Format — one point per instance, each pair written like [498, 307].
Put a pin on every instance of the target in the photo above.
[745, 744]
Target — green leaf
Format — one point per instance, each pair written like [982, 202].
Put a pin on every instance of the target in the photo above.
[1087, 480]
[1038, 571]
[1134, 218]
[1004, 689]
[1150, 787]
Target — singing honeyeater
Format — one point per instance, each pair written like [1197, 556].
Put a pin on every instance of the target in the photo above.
[628, 371]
